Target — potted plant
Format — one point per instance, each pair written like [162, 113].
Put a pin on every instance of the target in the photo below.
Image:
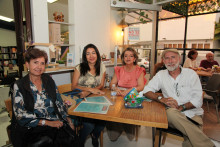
[61, 62]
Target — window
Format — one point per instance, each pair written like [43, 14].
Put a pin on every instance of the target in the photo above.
[180, 45]
[194, 45]
[200, 45]
[174, 45]
[170, 45]
[165, 45]
[207, 46]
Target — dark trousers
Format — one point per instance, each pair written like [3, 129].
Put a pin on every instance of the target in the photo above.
[40, 136]
[93, 127]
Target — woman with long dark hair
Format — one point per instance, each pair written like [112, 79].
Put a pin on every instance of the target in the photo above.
[89, 76]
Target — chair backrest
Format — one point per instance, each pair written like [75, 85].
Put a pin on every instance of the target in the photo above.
[212, 87]
[8, 105]
[213, 83]
[12, 73]
[64, 88]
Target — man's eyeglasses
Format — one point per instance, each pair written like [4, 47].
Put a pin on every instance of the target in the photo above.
[176, 89]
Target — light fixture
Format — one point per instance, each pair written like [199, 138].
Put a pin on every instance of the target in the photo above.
[122, 23]
[6, 18]
[51, 1]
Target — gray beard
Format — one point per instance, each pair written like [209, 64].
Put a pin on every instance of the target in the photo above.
[172, 68]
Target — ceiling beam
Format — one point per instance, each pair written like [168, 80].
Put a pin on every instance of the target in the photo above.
[164, 2]
[130, 5]
[7, 25]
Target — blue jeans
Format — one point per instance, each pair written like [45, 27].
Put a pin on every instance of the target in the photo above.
[91, 126]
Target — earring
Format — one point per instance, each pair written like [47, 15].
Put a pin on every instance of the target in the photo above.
[28, 70]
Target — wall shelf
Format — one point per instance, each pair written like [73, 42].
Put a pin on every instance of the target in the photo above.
[62, 23]
[64, 44]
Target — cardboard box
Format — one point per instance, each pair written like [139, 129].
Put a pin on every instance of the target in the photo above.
[54, 33]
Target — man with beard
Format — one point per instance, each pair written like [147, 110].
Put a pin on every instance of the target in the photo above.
[182, 96]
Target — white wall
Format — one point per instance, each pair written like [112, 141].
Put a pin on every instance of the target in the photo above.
[201, 27]
[115, 33]
[92, 25]
[7, 38]
[39, 17]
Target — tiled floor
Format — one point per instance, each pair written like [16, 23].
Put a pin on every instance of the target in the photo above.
[144, 137]
[4, 122]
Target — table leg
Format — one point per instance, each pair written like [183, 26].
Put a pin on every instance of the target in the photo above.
[156, 137]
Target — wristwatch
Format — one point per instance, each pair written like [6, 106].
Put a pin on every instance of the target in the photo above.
[184, 107]
[159, 97]
[43, 122]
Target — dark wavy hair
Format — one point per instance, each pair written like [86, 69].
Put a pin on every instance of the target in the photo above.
[34, 53]
[192, 52]
[84, 66]
[134, 53]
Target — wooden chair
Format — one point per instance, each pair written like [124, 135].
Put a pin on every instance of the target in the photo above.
[66, 88]
[8, 105]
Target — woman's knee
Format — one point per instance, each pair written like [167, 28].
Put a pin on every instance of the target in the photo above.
[88, 126]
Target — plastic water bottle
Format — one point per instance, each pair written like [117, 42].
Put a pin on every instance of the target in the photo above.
[113, 92]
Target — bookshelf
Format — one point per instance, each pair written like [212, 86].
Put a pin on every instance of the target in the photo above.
[8, 54]
[61, 33]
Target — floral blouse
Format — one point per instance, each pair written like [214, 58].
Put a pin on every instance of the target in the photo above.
[90, 80]
[43, 107]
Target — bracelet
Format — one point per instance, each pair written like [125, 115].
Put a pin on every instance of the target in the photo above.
[184, 107]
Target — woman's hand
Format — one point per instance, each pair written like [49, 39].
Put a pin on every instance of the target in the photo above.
[96, 91]
[122, 92]
[56, 124]
[84, 94]
[70, 123]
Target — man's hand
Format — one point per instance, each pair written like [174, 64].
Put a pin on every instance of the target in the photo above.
[171, 102]
[180, 108]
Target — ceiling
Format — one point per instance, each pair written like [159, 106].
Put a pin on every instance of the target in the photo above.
[170, 10]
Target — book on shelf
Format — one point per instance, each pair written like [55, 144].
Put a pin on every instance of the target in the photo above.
[13, 50]
[13, 56]
[98, 104]
[6, 63]
[13, 62]
[6, 56]
[4, 50]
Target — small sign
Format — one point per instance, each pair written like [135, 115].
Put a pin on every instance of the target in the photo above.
[70, 59]
[134, 33]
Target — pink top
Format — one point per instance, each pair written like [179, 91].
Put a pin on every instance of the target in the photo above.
[129, 79]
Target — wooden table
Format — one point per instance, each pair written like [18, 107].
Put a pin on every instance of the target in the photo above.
[152, 114]
[204, 73]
